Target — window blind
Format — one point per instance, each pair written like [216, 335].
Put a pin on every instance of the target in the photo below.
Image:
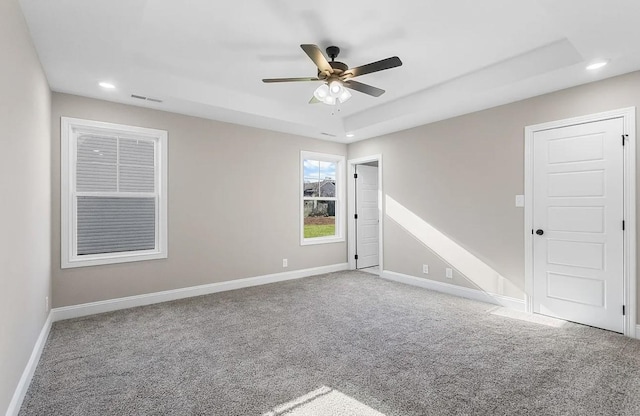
[96, 169]
[136, 165]
[115, 195]
[109, 225]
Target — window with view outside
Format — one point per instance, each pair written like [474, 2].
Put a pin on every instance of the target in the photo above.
[319, 198]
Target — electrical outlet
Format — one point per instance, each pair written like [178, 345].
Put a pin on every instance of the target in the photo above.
[425, 268]
[285, 263]
[46, 303]
[449, 273]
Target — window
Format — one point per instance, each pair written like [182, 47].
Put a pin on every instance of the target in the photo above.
[114, 193]
[322, 198]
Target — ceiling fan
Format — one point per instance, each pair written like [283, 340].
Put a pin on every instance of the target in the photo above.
[337, 77]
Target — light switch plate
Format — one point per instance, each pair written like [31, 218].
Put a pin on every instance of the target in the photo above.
[519, 201]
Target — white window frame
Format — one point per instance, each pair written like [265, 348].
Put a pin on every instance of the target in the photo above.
[339, 198]
[71, 128]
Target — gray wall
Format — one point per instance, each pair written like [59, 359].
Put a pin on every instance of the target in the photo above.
[461, 175]
[233, 205]
[25, 267]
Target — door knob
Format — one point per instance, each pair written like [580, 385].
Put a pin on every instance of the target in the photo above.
[539, 231]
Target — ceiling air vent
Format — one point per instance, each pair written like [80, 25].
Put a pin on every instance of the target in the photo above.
[328, 134]
[141, 97]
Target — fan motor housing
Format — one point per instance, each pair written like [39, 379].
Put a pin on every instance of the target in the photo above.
[338, 68]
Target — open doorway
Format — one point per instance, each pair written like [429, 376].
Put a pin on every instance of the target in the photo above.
[365, 214]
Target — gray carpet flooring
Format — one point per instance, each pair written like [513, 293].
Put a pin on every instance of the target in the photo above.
[392, 348]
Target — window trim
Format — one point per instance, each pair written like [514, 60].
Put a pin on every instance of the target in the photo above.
[69, 128]
[339, 160]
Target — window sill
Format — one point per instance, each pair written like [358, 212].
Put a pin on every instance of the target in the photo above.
[98, 260]
[321, 240]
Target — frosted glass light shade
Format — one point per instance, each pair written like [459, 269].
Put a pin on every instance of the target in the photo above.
[329, 100]
[344, 95]
[321, 92]
[335, 89]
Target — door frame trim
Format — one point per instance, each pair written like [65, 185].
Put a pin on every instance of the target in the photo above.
[351, 199]
[629, 119]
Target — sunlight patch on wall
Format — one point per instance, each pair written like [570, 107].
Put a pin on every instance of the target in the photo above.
[323, 401]
[471, 267]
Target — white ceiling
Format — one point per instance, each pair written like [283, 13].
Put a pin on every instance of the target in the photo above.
[207, 57]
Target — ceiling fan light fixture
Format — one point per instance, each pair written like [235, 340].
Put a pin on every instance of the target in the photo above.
[321, 92]
[332, 93]
[335, 88]
[329, 100]
[344, 96]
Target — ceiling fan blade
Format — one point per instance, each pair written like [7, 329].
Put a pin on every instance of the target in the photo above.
[268, 80]
[373, 67]
[314, 100]
[364, 88]
[317, 57]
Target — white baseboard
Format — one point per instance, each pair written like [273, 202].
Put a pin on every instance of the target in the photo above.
[85, 309]
[464, 292]
[27, 374]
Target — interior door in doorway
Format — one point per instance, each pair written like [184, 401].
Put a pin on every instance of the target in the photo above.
[367, 238]
[578, 213]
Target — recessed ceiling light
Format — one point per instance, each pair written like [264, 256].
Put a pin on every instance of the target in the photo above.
[350, 134]
[596, 65]
[107, 85]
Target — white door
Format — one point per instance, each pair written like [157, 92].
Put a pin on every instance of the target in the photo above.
[367, 220]
[578, 212]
